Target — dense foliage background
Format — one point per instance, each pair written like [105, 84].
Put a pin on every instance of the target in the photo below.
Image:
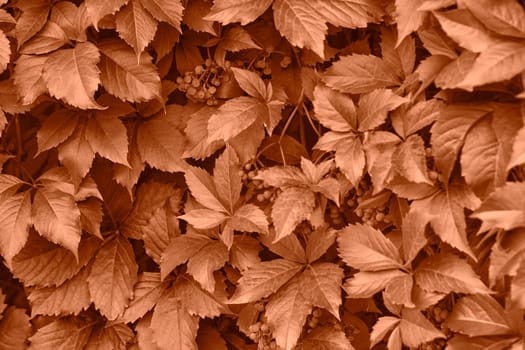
[262, 174]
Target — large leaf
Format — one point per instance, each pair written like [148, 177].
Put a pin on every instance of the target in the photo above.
[14, 329]
[365, 284]
[447, 273]
[263, 279]
[334, 110]
[478, 315]
[325, 337]
[33, 18]
[226, 178]
[416, 329]
[125, 77]
[292, 206]
[98, 9]
[15, 220]
[28, 77]
[112, 276]
[136, 26]
[504, 17]
[244, 11]
[55, 216]
[321, 287]
[61, 334]
[146, 293]
[367, 249]
[169, 11]
[73, 76]
[374, 107]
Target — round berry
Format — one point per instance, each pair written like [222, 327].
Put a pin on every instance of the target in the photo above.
[187, 79]
[260, 197]
[267, 71]
[208, 62]
[180, 80]
[198, 70]
[255, 327]
[191, 91]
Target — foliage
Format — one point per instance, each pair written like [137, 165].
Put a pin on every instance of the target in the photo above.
[262, 174]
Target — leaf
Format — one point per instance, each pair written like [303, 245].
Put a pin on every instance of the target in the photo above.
[233, 117]
[73, 76]
[478, 315]
[71, 297]
[146, 293]
[250, 82]
[413, 233]
[136, 26]
[33, 19]
[61, 334]
[125, 77]
[416, 329]
[202, 187]
[28, 77]
[72, 19]
[97, 10]
[14, 329]
[447, 273]
[195, 16]
[244, 252]
[263, 279]
[197, 301]
[234, 40]
[249, 218]
[161, 229]
[112, 276]
[226, 178]
[50, 38]
[334, 110]
[196, 132]
[55, 216]
[365, 284]
[37, 262]
[111, 336]
[374, 107]
[504, 17]
[173, 326]
[57, 128]
[325, 337]
[367, 249]
[5, 52]
[321, 286]
[449, 132]
[15, 221]
[292, 206]
[245, 11]
[161, 145]
[286, 313]
[499, 62]
[282, 176]
[319, 242]
[356, 74]
[381, 328]
[409, 17]
[410, 162]
[165, 10]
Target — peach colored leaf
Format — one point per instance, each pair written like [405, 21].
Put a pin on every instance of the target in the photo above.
[250, 82]
[169, 11]
[202, 187]
[204, 219]
[286, 313]
[110, 336]
[124, 77]
[55, 216]
[381, 328]
[107, 135]
[28, 77]
[15, 220]
[365, 248]
[50, 38]
[73, 76]
[416, 329]
[161, 145]
[146, 293]
[72, 19]
[61, 334]
[5, 52]
[196, 132]
[373, 108]
[173, 326]
[262, 279]
[226, 178]
[356, 74]
[292, 206]
[505, 17]
[57, 128]
[408, 121]
[409, 160]
[447, 273]
[33, 18]
[282, 176]
[136, 26]
[71, 297]
[195, 14]
[249, 218]
[14, 329]
[196, 300]
[244, 11]
[98, 9]
[365, 284]
[334, 110]
[322, 286]
[409, 17]
[234, 40]
[325, 337]
[112, 277]
[244, 252]
[37, 263]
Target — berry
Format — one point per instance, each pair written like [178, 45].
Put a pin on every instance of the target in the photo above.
[260, 197]
[260, 64]
[208, 62]
[267, 71]
[255, 327]
[198, 70]
[433, 175]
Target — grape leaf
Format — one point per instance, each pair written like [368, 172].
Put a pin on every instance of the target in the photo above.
[37, 263]
[61, 334]
[503, 208]
[249, 218]
[504, 17]
[234, 40]
[478, 315]
[381, 328]
[244, 11]
[447, 273]
[263, 279]
[367, 249]
[28, 77]
[292, 206]
[409, 17]
[72, 19]
[15, 220]
[173, 326]
[286, 313]
[73, 76]
[33, 18]
[165, 10]
[57, 128]
[50, 38]
[325, 337]
[244, 252]
[136, 26]
[409, 160]
[125, 77]
[96, 10]
[334, 110]
[374, 107]
[161, 144]
[110, 336]
[14, 329]
[76, 154]
[196, 132]
[112, 276]
[226, 179]
[71, 297]
[161, 229]
[365, 284]
[55, 216]
[195, 16]
[416, 329]
[357, 74]
[322, 286]
[197, 301]
[146, 293]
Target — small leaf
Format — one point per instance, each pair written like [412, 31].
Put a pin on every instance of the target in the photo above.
[334, 110]
[325, 337]
[136, 26]
[226, 178]
[196, 300]
[409, 17]
[50, 38]
[504, 17]
[410, 162]
[14, 329]
[321, 287]
[15, 220]
[28, 77]
[245, 11]
[374, 107]
[76, 154]
[61, 334]
[112, 276]
[168, 11]
[250, 82]
[249, 218]
[381, 328]
[97, 10]
[416, 329]
[32, 20]
[56, 128]
[292, 206]
[202, 187]
[365, 284]
[146, 293]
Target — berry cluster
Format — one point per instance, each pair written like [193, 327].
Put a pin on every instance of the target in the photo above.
[373, 216]
[200, 85]
[261, 334]
[432, 174]
[313, 319]
[256, 188]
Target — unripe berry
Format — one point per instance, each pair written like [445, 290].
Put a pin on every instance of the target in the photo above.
[198, 70]
[187, 79]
